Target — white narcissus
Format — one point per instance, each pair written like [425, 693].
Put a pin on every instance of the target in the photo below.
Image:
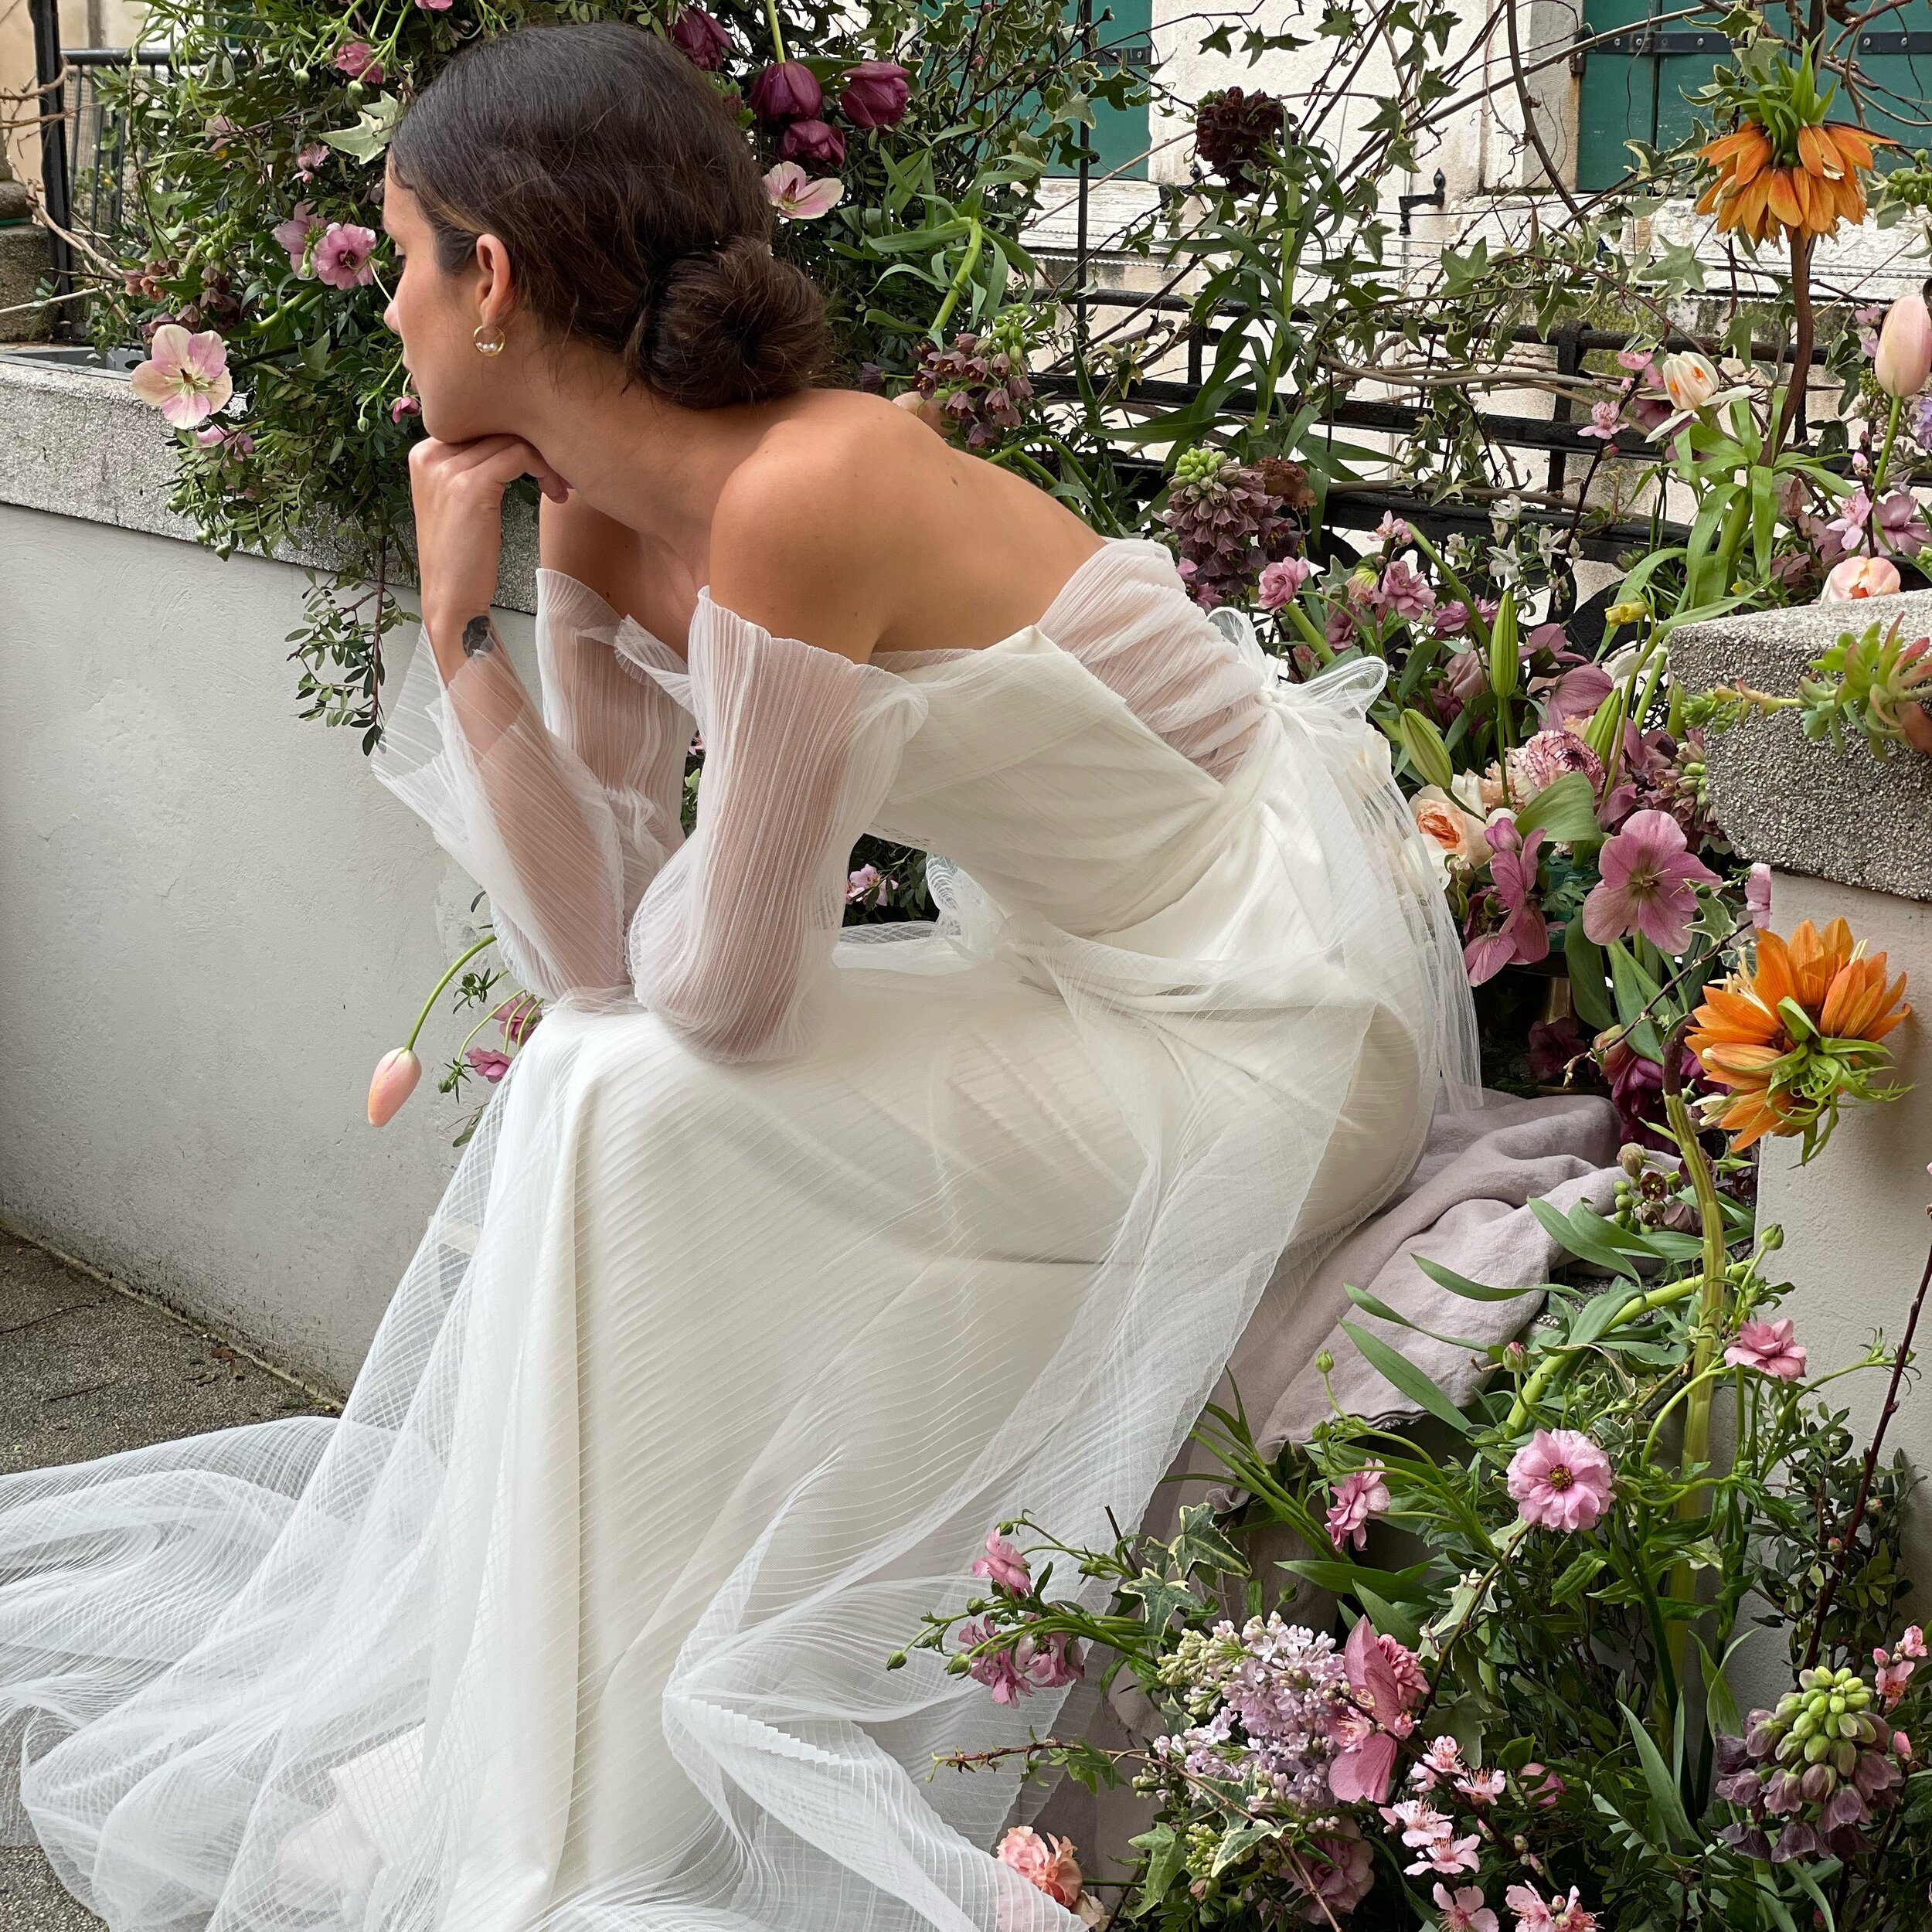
[185, 376]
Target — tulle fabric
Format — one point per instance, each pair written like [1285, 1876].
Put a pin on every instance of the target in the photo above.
[710, 1376]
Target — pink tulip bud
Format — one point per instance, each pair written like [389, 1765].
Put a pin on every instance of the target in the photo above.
[396, 1073]
[1904, 358]
[1860, 577]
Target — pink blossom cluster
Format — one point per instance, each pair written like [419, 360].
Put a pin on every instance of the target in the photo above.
[1016, 1661]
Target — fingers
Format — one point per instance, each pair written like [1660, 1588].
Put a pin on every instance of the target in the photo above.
[489, 460]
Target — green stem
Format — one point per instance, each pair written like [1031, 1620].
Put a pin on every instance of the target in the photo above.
[777, 39]
[1633, 1310]
[1313, 638]
[1478, 624]
[429, 1005]
[1884, 456]
[975, 240]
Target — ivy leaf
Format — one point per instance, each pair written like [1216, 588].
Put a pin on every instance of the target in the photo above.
[375, 128]
[1160, 1598]
[1166, 1853]
[1201, 1546]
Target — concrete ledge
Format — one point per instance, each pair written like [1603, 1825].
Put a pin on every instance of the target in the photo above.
[79, 443]
[1801, 806]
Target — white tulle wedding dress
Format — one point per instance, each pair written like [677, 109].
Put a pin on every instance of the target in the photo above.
[784, 1263]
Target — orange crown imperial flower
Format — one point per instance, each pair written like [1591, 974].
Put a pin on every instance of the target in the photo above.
[1798, 1036]
[1809, 194]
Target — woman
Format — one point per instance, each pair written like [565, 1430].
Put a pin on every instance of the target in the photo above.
[783, 1265]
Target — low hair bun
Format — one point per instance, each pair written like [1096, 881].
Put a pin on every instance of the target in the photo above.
[733, 324]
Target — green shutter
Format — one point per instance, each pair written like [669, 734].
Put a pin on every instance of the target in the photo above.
[1123, 31]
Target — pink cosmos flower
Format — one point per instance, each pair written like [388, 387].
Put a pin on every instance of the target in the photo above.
[404, 406]
[1767, 1347]
[1282, 583]
[357, 59]
[294, 234]
[1005, 1565]
[1602, 422]
[1860, 576]
[1757, 895]
[488, 1062]
[1403, 591]
[1361, 1495]
[185, 376]
[1463, 1909]
[797, 196]
[1047, 1863]
[1560, 1479]
[342, 256]
[396, 1073]
[1392, 529]
[1648, 884]
[1524, 937]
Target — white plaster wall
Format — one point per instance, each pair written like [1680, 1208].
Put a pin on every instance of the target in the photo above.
[213, 922]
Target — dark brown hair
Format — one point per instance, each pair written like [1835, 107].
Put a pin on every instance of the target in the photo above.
[630, 202]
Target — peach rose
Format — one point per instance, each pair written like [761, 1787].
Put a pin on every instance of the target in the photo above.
[1454, 835]
[1860, 577]
[1047, 1863]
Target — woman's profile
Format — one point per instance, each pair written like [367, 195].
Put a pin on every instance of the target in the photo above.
[786, 1263]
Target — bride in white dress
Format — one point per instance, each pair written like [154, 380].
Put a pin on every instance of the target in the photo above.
[786, 1262]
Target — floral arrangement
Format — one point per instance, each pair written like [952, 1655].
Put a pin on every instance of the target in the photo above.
[1522, 1717]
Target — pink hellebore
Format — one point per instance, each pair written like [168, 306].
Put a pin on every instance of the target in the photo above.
[1525, 935]
[1047, 1863]
[404, 406]
[1560, 1479]
[342, 256]
[1282, 583]
[701, 40]
[396, 1073]
[1361, 1495]
[435, 6]
[1767, 1347]
[357, 59]
[787, 91]
[876, 93]
[309, 159]
[1648, 885]
[1005, 1565]
[816, 141]
[215, 436]
[797, 196]
[1860, 577]
[185, 376]
[1463, 1909]
[294, 234]
[489, 1063]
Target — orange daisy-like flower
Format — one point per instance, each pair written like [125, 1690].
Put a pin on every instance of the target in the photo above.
[1792, 1039]
[1755, 194]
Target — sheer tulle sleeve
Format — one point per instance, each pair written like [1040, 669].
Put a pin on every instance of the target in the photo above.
[734, 936]
[631, 734]
[520, 811]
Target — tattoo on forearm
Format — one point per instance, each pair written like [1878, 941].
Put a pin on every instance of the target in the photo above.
[479, 635]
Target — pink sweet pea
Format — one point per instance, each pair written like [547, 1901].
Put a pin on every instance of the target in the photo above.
[185, 376]
[797, 196]
[1282, 583]
[1767, 1347]
[1005, 1565]
[342, 256]
[1648, 884]
[1360, 1496]
[1463, 1909]
[294, 234]
[1524, 937]
[1560, 1479]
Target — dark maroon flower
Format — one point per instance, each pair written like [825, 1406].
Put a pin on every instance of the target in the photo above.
[1553, 1044]
[701, 40]
[876, 94]
[815, 143]
[1234, 133]
[788, 91]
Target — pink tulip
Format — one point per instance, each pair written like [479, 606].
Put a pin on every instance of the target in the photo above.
[396, 1073]
[1904, 358]
[185, 376]
[1860, 577]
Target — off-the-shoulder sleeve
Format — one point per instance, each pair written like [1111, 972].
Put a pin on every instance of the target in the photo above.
[631, 734]
[520, 811]
[733, 938]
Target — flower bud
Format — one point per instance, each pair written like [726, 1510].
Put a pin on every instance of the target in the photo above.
[1689, 381]
[1904, 358]
[1860, 577]
[875, 93]
[701, 39]
[396, 1073]
[816, 143]
[1324, 1363]
[786, 91]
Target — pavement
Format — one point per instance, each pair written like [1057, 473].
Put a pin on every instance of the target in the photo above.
[86, 1369]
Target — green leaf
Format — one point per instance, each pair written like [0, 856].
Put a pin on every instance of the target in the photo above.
[1669, 1806]
[1582, 1241]
[1477, 1291]
[1201, 1546]
[1720, 1704]
[1414, 1382]
[1238, 1844]
[1635, 990]
[1160, 1598]
[1166, 1853]
[1371, 1304]
[1589, 977]
[1577, 1576]
[1597, 1316]
[1565, 809]
[1389, 1618]
[1409, 1586]
[375, 128]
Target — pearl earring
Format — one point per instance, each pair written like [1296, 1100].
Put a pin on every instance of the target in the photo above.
[493, 347]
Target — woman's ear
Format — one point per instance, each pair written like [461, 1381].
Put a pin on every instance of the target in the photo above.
[495, 289]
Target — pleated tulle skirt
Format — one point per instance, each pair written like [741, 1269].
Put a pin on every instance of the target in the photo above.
[706, 1382]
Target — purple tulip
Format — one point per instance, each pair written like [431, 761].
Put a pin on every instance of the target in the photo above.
[786, 91]
[817, 144]
[701, 39]
[876, 93]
